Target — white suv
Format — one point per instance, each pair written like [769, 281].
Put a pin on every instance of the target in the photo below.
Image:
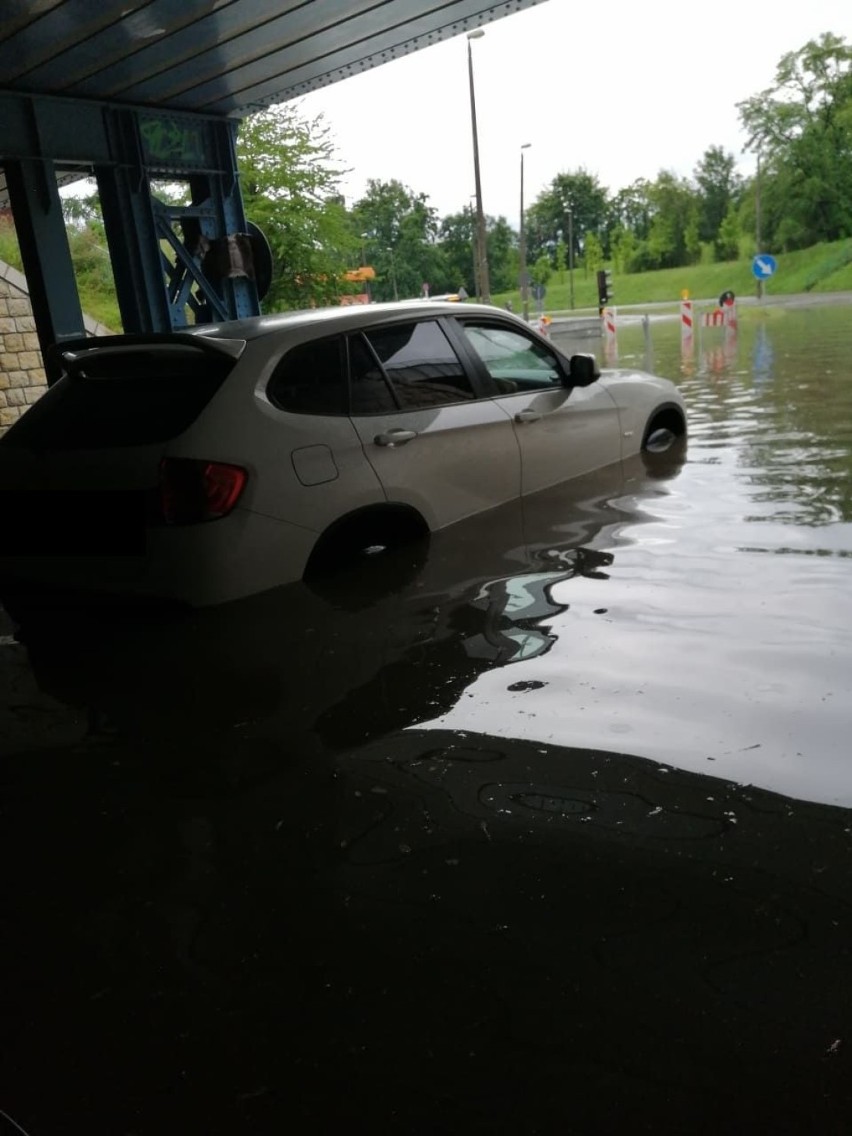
[226, 460]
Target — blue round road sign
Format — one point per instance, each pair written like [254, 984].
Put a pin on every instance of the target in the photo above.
[763, 266]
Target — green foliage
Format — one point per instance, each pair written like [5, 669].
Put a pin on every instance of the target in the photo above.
[593, 253]
[578, 193]
[675, 209]
[802, 128]
[624, 246]
[400, 229]
[289, 183]
[456, 236]
[541, 270]
[561, 259]
[727, 243]
[9, 251]
[631, 210]
[503, 265]
[719, 189]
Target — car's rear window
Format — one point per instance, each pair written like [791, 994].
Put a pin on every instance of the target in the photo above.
[123, 397]
[310, 379]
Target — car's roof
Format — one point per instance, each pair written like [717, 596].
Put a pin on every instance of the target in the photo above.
[341, 318]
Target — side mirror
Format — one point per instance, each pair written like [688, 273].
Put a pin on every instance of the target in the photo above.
[584, 370]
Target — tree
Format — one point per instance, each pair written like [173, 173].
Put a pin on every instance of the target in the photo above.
[623, 248]
[719, 188]
[579, 193]
[672, 237]
[401, 234]
[631, 209]
[456, 238]
[593, 254]
[289, 183]
[802, 128]
[561, 257]
[541, 271]
[727, 243]
[502, 254]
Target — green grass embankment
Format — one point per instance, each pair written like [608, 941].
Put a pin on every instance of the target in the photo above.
[826, 267]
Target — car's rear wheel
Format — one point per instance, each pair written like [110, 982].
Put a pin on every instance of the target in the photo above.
[365, 537]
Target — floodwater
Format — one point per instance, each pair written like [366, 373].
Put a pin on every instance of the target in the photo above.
[728, 632]
[541, 829]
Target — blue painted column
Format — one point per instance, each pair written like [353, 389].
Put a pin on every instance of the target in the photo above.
[37, 209]
[175, 264]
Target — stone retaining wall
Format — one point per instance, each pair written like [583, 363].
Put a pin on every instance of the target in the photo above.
[22, 377]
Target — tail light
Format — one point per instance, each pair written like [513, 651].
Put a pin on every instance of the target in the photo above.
[192, 491]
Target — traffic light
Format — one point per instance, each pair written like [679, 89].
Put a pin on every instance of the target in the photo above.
[604, 288]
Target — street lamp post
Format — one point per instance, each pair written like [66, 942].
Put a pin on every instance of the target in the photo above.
[757, 224]
[364, 237]
[475, 246]
[393, 275]
[484, 284]
[524, 282]
[571, 257]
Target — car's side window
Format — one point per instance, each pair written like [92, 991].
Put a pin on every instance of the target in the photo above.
[310, 379]
[515, 361]
[421, 365]
[369, 390]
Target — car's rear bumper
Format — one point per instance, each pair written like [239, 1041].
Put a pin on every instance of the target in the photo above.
[199, 565]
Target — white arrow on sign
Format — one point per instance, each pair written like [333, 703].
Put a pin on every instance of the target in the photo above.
[764, 267]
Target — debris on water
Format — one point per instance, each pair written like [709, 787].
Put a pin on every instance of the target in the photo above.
[835, 1046]
[379, 789]
[654, 812]
[452, 863]
[600, 611]
[405, 849]
[484, 828]
[732, 817]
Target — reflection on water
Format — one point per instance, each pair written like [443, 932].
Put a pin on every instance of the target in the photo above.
[380, 646]
[727, 642]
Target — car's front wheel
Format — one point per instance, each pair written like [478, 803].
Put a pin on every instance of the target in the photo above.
[664, 431]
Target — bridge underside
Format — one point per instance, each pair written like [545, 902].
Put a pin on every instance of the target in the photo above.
[148, 90]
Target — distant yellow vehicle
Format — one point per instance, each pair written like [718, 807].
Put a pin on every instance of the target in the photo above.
[360, 275]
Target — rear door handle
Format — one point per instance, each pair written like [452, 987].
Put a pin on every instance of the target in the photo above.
[395, 437]
[527, 416]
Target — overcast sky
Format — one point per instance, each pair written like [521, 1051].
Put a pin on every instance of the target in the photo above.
[622, 88]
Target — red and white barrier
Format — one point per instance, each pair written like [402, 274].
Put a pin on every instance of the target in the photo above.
[686, 320]
[720, 317]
